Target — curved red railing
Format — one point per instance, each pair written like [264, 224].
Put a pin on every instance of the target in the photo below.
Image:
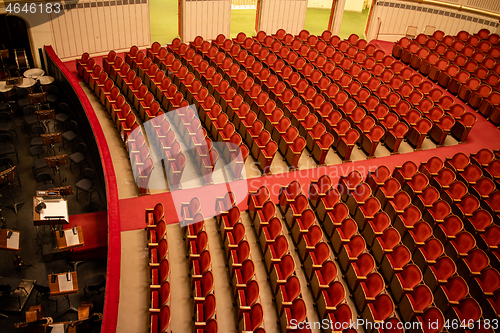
[112, 295]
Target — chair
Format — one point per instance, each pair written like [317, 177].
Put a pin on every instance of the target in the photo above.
[430, 315]
[205, 313]
[395, 261]
[359, 270]
[468, 310]
[243, 275]
[327, 202]
[351, 251]
[485, 285]
[288, 195]
[330, 298]
[257, 199]
[341, 317]
[346, 144]
[416, 302]
[405, 281]
[43, 293]
[427, 254]
[94, 286]
[287, 292]
[252, 319]
[78, 157]
[71, 134]
[472, 265]
[296, 313]
[7, 147]
[375, 227]
[86, 184]
[378, 311]
[318, 189]
[405, 172]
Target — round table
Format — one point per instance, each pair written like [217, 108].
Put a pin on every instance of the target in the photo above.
[4, 87]
[27, 83]
[34, 73]
[46, 80]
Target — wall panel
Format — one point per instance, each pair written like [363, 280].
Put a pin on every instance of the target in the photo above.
[397, 16]
[282, 14]
[205, 18]
[100, 26]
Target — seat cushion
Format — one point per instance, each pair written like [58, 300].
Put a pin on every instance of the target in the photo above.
[84, 184]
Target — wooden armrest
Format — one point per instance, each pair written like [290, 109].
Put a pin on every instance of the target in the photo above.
[199, 299]
[243, 307]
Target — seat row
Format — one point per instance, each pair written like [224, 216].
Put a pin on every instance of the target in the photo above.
[121, 113]
[159, 269]
[385, 187]
[466, 65]
[246, 289]
[200, 267]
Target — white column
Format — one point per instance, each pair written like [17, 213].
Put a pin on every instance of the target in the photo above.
[337, 16]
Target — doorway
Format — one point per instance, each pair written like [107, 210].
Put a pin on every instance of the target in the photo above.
[16, 36]
[243, 17]
[164, 20]
[354, 18]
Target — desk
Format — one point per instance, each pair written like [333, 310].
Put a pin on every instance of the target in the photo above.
[69, 241]
[55, 213]
[11, 244]
[61, 286]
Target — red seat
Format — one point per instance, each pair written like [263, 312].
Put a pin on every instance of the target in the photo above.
[316, 258]
[323, 278]
[252, 319]
[330, 299]
[397, 205]
[377, 178]
[247, 297]
[467, 310]
[257, 199]
[404, 281]
[430, 315]
[426, 199]
[473, 264]
[376, 227]
[385, 243]
[366, 211]
[427, 254]
[359, 270]
[466, 207]
[416, 185]
[334, 218]
[407, 220]
[448, 230]
[387, 191]
[381, 309]
[416, 302]
[293, 316]
[238, 256]
[203, 287]
[368, 290]
[371, 140]
[351, 251]
[417, 236]
[485, 285]
[346, 144]
[287, 292]
[439, 273]
[281, 272]
[341, 317]
[490, 239]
